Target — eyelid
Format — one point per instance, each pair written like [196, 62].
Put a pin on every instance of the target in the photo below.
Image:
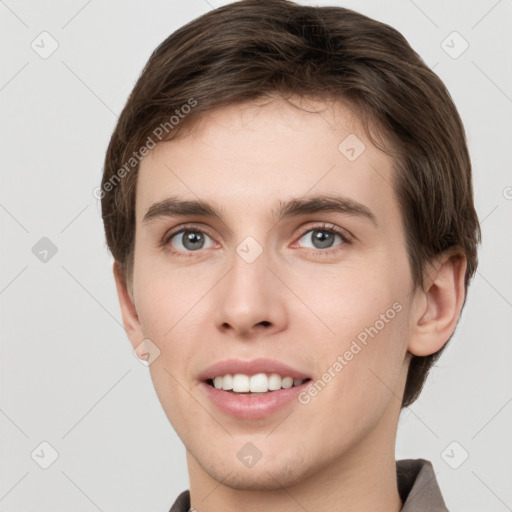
[184, 227]
[345, 235]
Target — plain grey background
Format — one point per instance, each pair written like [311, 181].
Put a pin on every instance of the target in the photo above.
[69, 378]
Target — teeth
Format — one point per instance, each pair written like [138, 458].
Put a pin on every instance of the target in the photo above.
[217, 382]
[259, 383]
[287, 382]
[274, 382]
[227, 382]
[240, 383]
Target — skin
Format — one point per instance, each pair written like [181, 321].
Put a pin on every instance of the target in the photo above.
[293, 303]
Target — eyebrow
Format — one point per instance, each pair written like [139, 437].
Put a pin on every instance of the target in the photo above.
[174, 206]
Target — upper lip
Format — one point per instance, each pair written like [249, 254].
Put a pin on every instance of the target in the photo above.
[252, 367]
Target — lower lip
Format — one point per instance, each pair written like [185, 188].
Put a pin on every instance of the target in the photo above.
[252, 407]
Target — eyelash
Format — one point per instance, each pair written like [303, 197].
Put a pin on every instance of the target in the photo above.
[325, 227]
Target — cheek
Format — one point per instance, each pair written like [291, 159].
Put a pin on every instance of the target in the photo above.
[162, 299]
[171, 308]
[350, 298]
[167, 307]
[363, 348]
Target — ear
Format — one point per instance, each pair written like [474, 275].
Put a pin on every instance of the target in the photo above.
[130, 318]
[437, 306]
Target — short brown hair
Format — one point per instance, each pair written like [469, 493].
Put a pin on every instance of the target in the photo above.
[252, 49]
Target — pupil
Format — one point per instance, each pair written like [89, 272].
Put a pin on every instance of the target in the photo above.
[193, 240]
[323, 238]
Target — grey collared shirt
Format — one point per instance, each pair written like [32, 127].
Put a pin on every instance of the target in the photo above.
[417, 486]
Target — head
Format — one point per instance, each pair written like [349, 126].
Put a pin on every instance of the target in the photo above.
[290, 102]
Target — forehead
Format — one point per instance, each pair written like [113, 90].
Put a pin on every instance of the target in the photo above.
[260, 153]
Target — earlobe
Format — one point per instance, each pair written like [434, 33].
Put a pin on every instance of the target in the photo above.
[438, 306]
[129, 314]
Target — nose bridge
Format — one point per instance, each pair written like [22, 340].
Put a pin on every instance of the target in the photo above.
[249, 295]
[249, 275]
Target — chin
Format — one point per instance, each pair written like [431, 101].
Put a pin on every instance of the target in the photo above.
[273, 473]
[262, 479]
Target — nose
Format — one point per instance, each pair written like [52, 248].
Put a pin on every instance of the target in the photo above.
[251, 299]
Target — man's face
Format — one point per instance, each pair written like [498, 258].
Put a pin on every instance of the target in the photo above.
[251, 285]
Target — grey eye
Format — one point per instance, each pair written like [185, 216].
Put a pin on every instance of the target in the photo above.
[188, 240]
[321, 238]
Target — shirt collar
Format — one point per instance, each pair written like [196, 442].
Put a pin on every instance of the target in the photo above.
[418, 487]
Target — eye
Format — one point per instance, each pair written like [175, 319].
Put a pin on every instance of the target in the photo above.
[323, 237]
[188, 240]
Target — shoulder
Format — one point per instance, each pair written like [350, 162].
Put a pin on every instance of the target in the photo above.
[418, 487]
[182, 503]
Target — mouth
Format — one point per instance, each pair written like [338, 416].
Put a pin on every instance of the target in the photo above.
[248, 403]
[255, 385]
[252, 389]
